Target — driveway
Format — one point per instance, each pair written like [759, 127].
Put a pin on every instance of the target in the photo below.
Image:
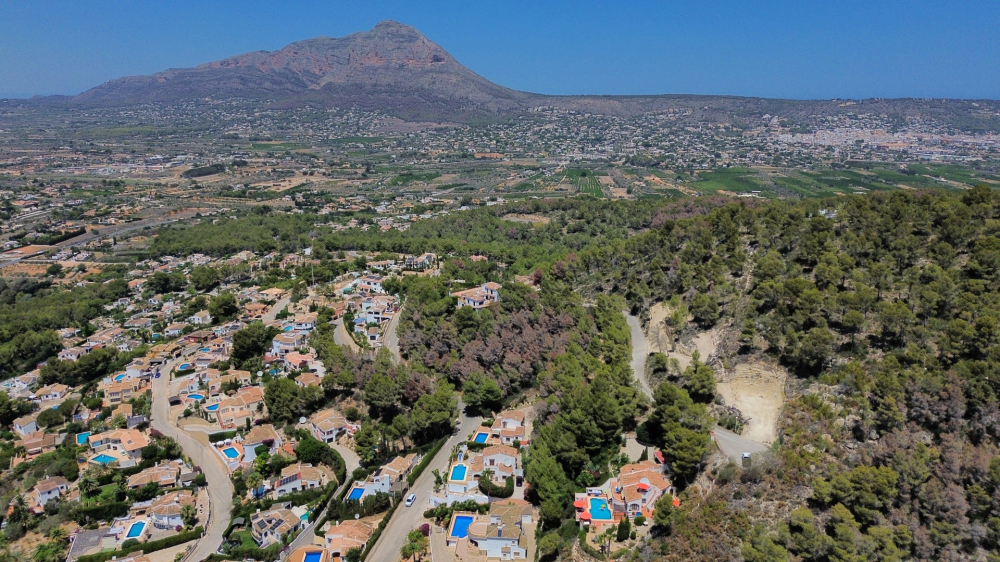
[405, 519]
[220, 489]
[733, 445]
[640, 353]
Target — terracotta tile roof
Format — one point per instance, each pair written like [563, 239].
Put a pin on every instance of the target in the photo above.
[306, 472]
[261, 433]
[347, 535]
[172, 503]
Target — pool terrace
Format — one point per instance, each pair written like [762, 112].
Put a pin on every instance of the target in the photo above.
[231, 453]
[459, 527]
[111, 457]
[593, 508]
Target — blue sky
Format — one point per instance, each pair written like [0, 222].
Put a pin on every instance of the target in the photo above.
[795, 49]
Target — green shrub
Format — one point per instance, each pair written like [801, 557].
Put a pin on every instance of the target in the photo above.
[494, 491]
[428, 456]
[221, 436]
[103, 512]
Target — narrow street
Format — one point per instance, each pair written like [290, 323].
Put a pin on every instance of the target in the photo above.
[220, 489]
[308, 536]
[405, 519]
[391, 339]
[341, 337]
[275, 309]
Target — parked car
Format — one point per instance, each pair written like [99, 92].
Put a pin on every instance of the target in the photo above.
[410, 499]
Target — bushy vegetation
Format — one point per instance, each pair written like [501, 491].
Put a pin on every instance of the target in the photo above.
[31, 311]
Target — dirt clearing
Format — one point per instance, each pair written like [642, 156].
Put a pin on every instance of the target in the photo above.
[758, 390]
[657, 335]
[659, 338]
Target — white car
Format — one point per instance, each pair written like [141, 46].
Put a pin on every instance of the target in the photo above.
[410, 499]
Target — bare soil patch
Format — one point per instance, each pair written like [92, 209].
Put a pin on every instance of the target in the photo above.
[758, 390]
[657, 336]
[530, 219]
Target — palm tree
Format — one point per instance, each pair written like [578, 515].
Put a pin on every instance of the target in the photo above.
[254, 480]
[416, 545]
[188, 515]
[19, 509]
[88, 485]
[485, 476]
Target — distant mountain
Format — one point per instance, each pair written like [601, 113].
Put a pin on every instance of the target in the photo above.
[395, 69]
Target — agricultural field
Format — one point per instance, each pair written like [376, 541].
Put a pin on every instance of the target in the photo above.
[858, 178]
[733, 180]
[955, 174]
[590, 185]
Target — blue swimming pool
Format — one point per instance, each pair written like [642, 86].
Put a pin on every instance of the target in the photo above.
[231, 452]
[313, 557]
[81, 438]
[205, 350]
[120, 377]
[184, 366]
[196, 397]
[599, 509]
[288, 328]
[104, 459]
[461, 527]
[212, 408]
[135, 530]
[356, 494]
[481, 437]
[458, 473]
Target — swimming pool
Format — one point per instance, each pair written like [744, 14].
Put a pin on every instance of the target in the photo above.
[120, 377]
[314, 556]
[81, 438]
[135, 529]
[461, 526]
[481, 437]
[104, 459]
[458, 472]
[356, 494]
[288, 328]
[599, 509]
[196, 397]
[231, 452]
[184, 366]
[212, 407]
[205, 349]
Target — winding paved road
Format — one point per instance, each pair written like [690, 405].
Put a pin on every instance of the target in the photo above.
[278, 307]
[640, 353]
[341, 337]
[220, 489]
